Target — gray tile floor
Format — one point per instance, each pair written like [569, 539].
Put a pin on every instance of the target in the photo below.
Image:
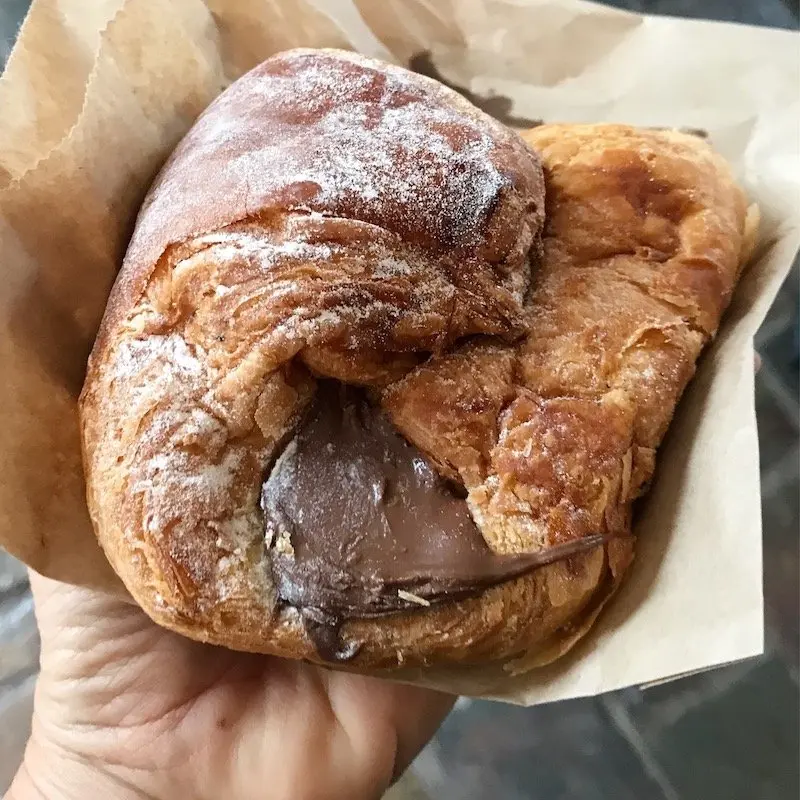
[729, 734]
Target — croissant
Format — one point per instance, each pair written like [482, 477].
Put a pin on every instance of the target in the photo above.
[354, 401]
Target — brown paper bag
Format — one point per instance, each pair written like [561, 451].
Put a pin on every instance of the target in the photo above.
[93, 101]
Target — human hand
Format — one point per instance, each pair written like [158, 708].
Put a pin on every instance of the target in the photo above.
[125, 709]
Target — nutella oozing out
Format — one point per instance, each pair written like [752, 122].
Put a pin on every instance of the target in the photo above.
[361, 525]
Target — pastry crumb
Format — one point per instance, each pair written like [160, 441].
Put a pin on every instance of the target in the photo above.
[412, 598]
[283, 544]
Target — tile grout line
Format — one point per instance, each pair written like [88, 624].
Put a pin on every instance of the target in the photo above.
[622, 721]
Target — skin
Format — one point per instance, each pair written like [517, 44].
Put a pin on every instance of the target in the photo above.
[124, 709]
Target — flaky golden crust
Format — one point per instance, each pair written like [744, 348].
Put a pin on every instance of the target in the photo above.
[239, 287]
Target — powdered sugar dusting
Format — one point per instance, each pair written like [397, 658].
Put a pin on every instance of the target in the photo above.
[390, 267]
[328, 133]
[135, 355]
[184, 470]
[648, 374]
[265, 250]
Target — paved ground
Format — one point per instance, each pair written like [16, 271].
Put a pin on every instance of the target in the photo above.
[732, 734]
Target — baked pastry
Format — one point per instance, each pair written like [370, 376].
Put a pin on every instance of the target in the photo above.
[331, 414]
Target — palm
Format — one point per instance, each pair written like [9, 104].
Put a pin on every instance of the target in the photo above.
[178, 718]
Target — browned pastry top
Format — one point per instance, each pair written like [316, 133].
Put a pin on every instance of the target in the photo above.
[330, 135]
[330, 217]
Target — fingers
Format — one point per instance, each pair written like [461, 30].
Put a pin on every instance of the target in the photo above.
[419, 715]
[386, 723]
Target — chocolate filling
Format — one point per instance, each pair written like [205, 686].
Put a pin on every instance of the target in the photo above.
[361, 525]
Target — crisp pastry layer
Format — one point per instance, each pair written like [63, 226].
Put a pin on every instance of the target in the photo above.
[333, 217]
